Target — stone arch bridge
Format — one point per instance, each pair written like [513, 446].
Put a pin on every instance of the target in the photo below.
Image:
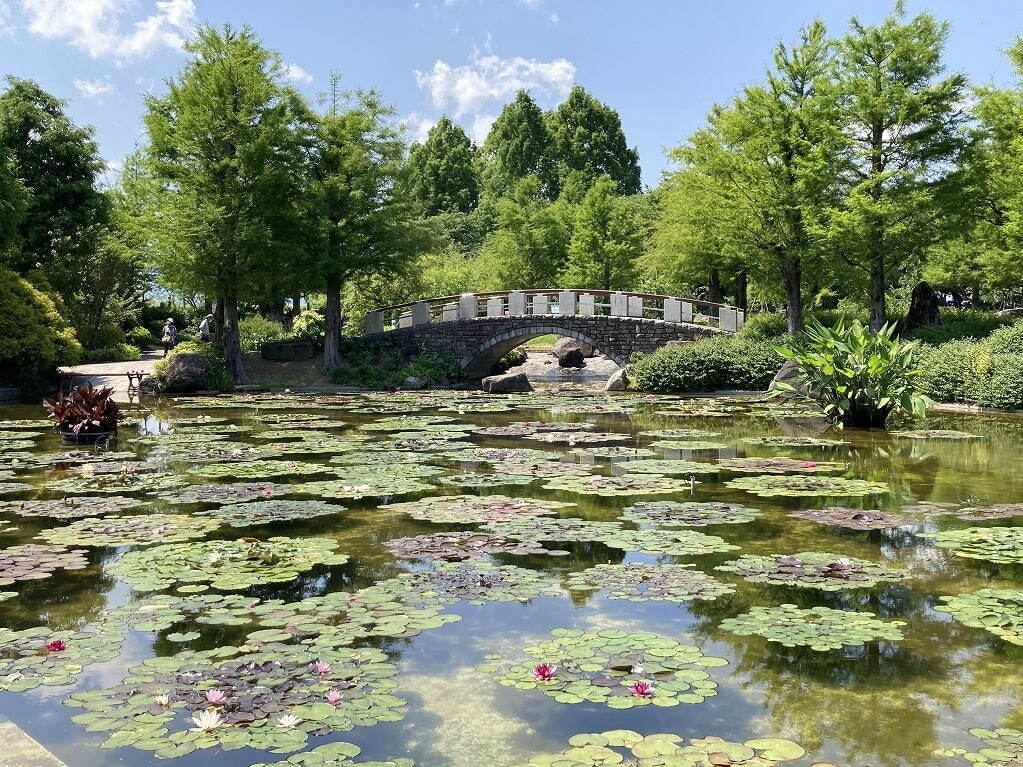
[480, 328]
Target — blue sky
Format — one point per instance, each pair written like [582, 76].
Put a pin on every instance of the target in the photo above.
[661, 63]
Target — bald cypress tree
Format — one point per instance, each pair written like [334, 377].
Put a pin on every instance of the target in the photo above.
[518, 145]
[442, 171]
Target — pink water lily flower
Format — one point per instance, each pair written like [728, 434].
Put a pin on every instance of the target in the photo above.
[216, 697]
[322, 668]
[641, 689]
[57, 645]
[333, 697]
[544, 672]
[810, 464]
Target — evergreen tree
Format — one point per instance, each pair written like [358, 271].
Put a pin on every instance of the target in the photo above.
[588, 142]
[442, 171]
[607, 241]
[904, 138]
[517, 146]
[13, 203]
[226, 144]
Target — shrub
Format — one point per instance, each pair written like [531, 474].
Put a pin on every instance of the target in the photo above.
[1007, 340]
[217, 377]
[763, 326]
[257, 330]
[1002, 387]
[140, 337]
[960, 324]
[85, 410]
[383, 365]
[512, 359]
[857, 376]
[117, 353]
[310, 326]
[707, 365]
[105, 337]
[948, 373]
[34, 338]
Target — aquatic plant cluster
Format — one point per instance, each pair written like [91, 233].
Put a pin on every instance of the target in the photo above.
[242, 529]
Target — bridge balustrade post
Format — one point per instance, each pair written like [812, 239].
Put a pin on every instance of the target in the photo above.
[687, 312]
[586, 305]
[740, 318]
[566, 303]
[635, 306]
[450, 312]
[672, 310]
[495, 307]
[467, 306]
[619, 305]
[516, 302]
[373, 323]
[728, 319]
[540, 304]
[420, 313]
[405, 320]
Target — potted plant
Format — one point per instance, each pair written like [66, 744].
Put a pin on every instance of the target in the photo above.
[85, 414]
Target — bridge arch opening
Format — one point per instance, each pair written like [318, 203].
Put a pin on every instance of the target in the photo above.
[478, 363]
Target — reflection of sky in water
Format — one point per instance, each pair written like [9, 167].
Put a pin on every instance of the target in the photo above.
[888, 704]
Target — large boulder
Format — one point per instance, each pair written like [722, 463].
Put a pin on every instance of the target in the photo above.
[788, 374]
[616, 382]
[414, 383]
[186, 372]
[507, 383]
[571, 358]
[564, 344]
[923, 308]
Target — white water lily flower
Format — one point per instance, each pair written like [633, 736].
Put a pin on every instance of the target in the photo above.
[163, 700]
[288, 721]
[206, 720]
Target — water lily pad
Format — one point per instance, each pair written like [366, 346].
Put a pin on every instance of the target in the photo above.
[72, 507]
[225, 565]
[267, 512]
[820, 628]
[934, 434]
[141, 530]
[1000, 611]
[854, 519]
[560, 529]
[771, 485]
[991, 544]
[638, 582]
[456, 546]
[779, 466]
[527, 428]
[416, 423]
[40, 656]
[115, 484]
[242, 492]
[680, 433]
[812, 570]
[790, 441]
[1004, 748]
[613, 452]
[622, 484]
[689, 514]
[995, 511]
[9, 488]
[362, 486]
[680, 543]
[499, 455]
[471, 509]
[334, 755]
[666, 467]
[378, 457]
[34, 561]
[578, 437]
[616, 668]
[693, 444]
[486, 480]
[257, 469]
[476, 583]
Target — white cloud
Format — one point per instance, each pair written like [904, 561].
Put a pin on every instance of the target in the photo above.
[490, 78]
[6, 27]
[96, 26]
[94, 89]
[481, 125]
[296, 74]
[554, 18]
[417, 126]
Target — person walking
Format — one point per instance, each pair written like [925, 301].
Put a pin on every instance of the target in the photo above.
[206, 329]
[170, 336]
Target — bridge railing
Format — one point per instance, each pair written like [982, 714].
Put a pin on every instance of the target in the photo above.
[584, 303]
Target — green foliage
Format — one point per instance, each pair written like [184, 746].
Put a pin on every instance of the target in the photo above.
[122, 352]
[140, 337]
[441, 174]
[34, 337]
[961, 324]
[707, 365]
[607, 241]
[1007, 340]
[382, 365]
[310, 326]
[1002, 387]
[763, 326]
[948, 372]
[217, 376]
[518, 145]
[857, 376]
[512, 359]
[257, 330]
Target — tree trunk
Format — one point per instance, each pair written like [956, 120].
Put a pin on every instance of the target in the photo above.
[220, 318]
[793, 273]
[742, 290]
[878, 307]
[332, 315]
[207, 304]
[233, 342]
[714, 286]
[975, 298]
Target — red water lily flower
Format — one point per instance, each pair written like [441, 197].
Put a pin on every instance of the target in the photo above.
[57, 645]
[641, 689]
[544, 672]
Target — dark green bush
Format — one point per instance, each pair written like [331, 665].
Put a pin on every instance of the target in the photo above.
[707, 365]
[1002, 387]
[118, 353]
[514, 358]
[140, 337]
[960, 324]
[310, 326]
[34, 338]
[948, 372]
[382, 365]
[257, 330]
[764, 326]
[217, 377]
[1007, 340]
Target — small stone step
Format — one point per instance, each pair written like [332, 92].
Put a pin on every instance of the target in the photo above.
[20, 750]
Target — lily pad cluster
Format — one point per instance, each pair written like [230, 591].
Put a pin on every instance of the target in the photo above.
[661, 750]
[613, 451]
[819, 628]
[271, 699]
[991, 544]
[225, 564]
[40, 656]
[256, 469]
[267, 512]
[338, 754]
[242, 492]
[771, 485]
[456, 546]
[669, 467]
[811, 569]
[142, 530]
[475, 582]
[854, 519]
[34, 561]
[7, 488]
[620, 669]
[560, 529]
[935, 434]
[996, 511]
[689, 514]
[362, 485]
[578, 437]
[681, 444]
[72, 507]
[779, 466]
[499, 455]
[680, 543]
[1000, 611]
[789, 441]
[680, 433]
[622, 484]
[1004, 748]
[471, 509]
[639, 582]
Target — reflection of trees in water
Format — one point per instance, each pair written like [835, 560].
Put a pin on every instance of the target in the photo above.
[581, 555]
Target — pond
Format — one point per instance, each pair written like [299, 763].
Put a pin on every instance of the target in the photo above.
[463, 579]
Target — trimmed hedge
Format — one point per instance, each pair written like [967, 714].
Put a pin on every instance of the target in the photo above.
[117, 353]
[979, 373]
[707, 365]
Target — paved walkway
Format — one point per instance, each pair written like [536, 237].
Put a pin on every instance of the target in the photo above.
[112, 374]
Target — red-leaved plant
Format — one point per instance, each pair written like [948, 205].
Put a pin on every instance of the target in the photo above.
[85, 410]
